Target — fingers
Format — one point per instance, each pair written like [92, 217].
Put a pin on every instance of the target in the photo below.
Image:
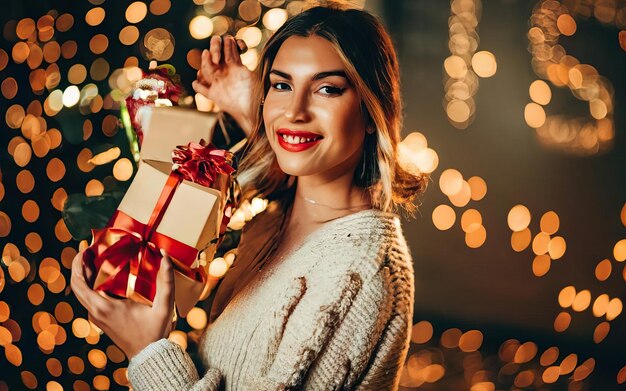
[231, 50]
[97, 305]
[164, 298]
[241, 44]
[200, 88]
[216, 49]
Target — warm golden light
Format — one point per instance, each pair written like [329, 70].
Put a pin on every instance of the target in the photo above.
[94, 188]
[614, 309]
[422, 332]
[129, 35]
[551, 374]
[115, 354]
[534, 115]
[275, 18]
[471, 220]
[619, 251]
[81, 328]
[476, 238]
[566, 24]
[95, 16]
[197, 318]
[218, 267]
[201, 27]
[541, 265]
[584, 370]
[123, 169]
[97, 358]
[520, 240]
[136, 12]
[450, 182]
[556, 247]
[471, 341]
[455, 67]
[426, 160]
[443, 217]
[179, 338]
[101, 383]
[458, 111]
[601, 331]
[484, 64]
[71, 95]
[525, 353]
[540, 92]
[252, 36]
[249, 10]
[567, 296]
[518, 218]
[450, 338]
[568, 364]
[549, 357]
[581, 301]
[600, 305]
[549, 223]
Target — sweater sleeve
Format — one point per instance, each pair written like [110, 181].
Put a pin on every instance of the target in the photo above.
[165, 366]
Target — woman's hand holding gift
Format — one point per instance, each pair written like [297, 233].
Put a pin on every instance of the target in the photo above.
[223, 79]
[130, 325]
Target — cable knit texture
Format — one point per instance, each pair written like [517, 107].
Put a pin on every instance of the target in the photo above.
[335, 314]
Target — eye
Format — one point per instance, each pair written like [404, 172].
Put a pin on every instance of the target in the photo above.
[280, 86]
[331, 91]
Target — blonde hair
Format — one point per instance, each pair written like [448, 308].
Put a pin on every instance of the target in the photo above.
[372, 67]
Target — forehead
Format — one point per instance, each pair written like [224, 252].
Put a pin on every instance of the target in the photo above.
[303, 55]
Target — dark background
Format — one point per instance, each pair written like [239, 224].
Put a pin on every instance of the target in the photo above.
[491, 288]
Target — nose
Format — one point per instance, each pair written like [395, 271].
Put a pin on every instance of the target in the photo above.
[298, 108]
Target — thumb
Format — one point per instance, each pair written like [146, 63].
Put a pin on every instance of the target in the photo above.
[164, 298]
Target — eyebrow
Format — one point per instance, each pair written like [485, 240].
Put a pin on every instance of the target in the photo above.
[317, 76]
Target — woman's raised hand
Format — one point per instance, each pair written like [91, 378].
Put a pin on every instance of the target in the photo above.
[223, 79]
[130, 325]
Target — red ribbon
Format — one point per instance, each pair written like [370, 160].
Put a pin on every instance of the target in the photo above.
[128, 254]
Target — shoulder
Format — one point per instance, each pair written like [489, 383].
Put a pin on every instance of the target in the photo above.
[365, 243]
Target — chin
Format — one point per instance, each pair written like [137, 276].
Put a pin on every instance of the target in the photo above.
[295, 169]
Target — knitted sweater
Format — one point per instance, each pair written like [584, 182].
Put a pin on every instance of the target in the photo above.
[334, 314]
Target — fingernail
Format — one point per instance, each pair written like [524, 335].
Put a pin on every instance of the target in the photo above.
[162, 252]
[205, 52]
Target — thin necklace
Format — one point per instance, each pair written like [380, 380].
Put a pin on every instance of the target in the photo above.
[311, 201]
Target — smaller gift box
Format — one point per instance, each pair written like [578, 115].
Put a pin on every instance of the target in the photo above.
[175, 203]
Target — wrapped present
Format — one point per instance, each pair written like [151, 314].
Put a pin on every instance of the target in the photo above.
[172, 126]
[159, 87]
[175, 203]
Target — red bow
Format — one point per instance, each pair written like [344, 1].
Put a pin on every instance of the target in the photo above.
[202, 163]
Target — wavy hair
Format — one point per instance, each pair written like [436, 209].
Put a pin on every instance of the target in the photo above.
[372, 67]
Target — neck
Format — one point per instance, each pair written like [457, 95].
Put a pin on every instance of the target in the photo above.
[318, 202]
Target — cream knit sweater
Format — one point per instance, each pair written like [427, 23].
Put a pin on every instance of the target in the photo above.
[335, 314]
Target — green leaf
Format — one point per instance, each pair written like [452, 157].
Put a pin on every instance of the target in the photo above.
[81, 214]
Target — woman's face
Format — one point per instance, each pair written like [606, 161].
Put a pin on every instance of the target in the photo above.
[312, 113]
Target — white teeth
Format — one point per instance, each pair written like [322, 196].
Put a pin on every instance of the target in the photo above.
[297, 139]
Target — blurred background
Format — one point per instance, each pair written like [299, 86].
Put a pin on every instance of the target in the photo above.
[516, 108]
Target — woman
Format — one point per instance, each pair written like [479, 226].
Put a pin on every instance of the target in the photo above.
[333, 308]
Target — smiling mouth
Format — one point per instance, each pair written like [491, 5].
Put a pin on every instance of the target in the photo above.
[298, 139]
